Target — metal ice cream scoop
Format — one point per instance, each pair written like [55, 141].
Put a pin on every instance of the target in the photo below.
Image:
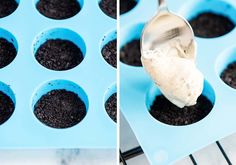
[166, 26]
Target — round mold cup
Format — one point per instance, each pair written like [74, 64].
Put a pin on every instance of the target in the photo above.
[225, 58]
[10, 38]
[106, 14]
[8, 91]
[131, 8]
[59, 33]
[110, 36]
[110, 91]
[130, 33]
[153, 92]
[81, 2]
[18, 2]
[193, 8]
[57, 85]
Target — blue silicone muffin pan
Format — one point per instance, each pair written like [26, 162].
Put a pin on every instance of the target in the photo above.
[162, 143]
[25, 80]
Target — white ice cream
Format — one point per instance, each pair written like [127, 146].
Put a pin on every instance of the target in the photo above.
[173, 69]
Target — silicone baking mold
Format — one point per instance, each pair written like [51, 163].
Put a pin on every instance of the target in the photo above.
[25, 80]
[162, 143]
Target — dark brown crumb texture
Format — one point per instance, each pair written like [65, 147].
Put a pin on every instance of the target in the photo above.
[166, 112]
[127, 5]
[229, 75]
[109, 7]
[58, 9]
[7, 7]
[6, 107]
[210, 25]
[109, 53]
[130, 53]
[7, 52]
[60, 109]
[59, 55]
[111, 107]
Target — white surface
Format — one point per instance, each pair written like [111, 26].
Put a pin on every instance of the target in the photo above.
[185, 161]
[127, 137]
[58, 157]
[229, 146]
[210, 155]
[141, 159]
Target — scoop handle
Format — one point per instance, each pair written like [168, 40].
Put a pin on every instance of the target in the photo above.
[161, 2]
[162, 5]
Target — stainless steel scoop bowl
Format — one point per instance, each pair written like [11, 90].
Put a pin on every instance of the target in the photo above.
[166, 26]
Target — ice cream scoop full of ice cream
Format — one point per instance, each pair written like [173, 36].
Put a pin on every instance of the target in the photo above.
[169, 54]
[178, 78]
